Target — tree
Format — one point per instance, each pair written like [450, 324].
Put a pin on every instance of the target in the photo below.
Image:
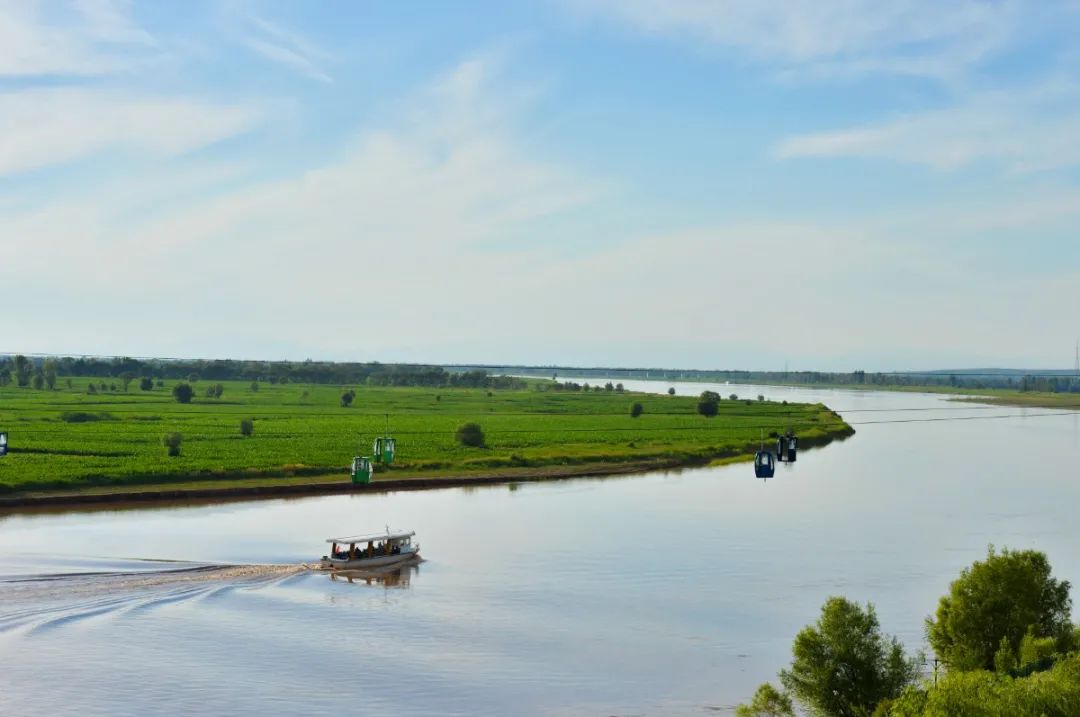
[843, 666]
[1002, 597]
[39, 381]
[734, 397]
[91, 389]
[183, 392]
[609, 386]
[23, 369]
[708, 404]
[247, 427]
[172, 442]
[127, 377]
[255, 386]
[761, 397]
[146, 383]
[636, 409]
[470, 434]
[49, 372]
[671, 391]
[5, 376]
[347, 398]
[768, 702]
[193, 377]
[619, 388]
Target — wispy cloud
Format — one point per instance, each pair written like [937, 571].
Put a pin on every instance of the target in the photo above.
[44, 127]
[287, 48]
[1025, 131]
[827, 37]
[73, 38]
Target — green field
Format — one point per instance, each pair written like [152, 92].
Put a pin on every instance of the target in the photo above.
[302, 432]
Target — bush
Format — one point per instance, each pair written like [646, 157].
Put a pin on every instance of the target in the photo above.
[671, 391]
[347, 398]
[146, 384]
[708, 407]
[83, 417]
[470, 434]
[247, 427]
[183, 392]
[636, 409]
[91, 389]
[761, 397]
[172, 441]
[255, 386]
[768, 702]
[734, 396]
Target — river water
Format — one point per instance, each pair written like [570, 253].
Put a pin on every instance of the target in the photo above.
[663, 594]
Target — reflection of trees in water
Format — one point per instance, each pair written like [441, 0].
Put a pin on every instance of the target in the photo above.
[394, 577]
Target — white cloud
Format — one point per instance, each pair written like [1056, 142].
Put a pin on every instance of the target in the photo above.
[1025, 130]
[44, 127]
[834, 36]
[286, 47]
[78, 38]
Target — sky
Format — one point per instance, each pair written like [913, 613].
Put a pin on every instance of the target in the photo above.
[835, 185]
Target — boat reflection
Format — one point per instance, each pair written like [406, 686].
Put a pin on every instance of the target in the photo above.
[393, 576]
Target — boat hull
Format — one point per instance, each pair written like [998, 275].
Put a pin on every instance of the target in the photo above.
[376, 561]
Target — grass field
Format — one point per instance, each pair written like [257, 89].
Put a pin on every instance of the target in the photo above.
[301, 430]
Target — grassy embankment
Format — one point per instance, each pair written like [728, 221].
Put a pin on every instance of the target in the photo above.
[303, 436]
[995, 396]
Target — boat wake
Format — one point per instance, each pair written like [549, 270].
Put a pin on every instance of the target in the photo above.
[50, 600]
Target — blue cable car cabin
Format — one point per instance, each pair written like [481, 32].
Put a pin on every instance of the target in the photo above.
[764, 464]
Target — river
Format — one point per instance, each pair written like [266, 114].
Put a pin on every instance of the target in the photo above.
[671, 593]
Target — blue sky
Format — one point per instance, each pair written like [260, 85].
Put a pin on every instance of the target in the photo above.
[837, 185]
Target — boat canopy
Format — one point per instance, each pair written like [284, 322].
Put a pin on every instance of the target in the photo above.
[388, 535]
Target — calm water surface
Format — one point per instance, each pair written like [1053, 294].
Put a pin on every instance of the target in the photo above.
[663, 594]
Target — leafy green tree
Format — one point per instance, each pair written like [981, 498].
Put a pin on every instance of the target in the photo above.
[768, 702]
[347, 398]
[126, 378]
[843, 666]
[23, 370]
[5, 376]
[619, 388]
[146, 383]
[183, 392]
[255, 386]
[671, 391]
[609, 386]
[708, 404]
[172, 442]
[49, 372]
[636, 409]
[91, 389]
[470, 434]
[734, 397]
[1004, 596]
[978, 693]
[247, 427]
[39, 381]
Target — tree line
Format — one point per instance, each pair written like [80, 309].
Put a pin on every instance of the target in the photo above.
[43, 372]
[1003, 642]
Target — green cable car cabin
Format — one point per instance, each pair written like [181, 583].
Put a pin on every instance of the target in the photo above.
[361, 469]
[383, 450]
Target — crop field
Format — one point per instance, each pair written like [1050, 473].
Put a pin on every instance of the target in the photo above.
[68, 438]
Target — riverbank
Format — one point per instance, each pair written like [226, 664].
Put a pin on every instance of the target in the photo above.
[254, 489]
[68, 442]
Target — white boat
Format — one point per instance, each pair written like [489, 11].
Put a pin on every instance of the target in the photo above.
[362, 552]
